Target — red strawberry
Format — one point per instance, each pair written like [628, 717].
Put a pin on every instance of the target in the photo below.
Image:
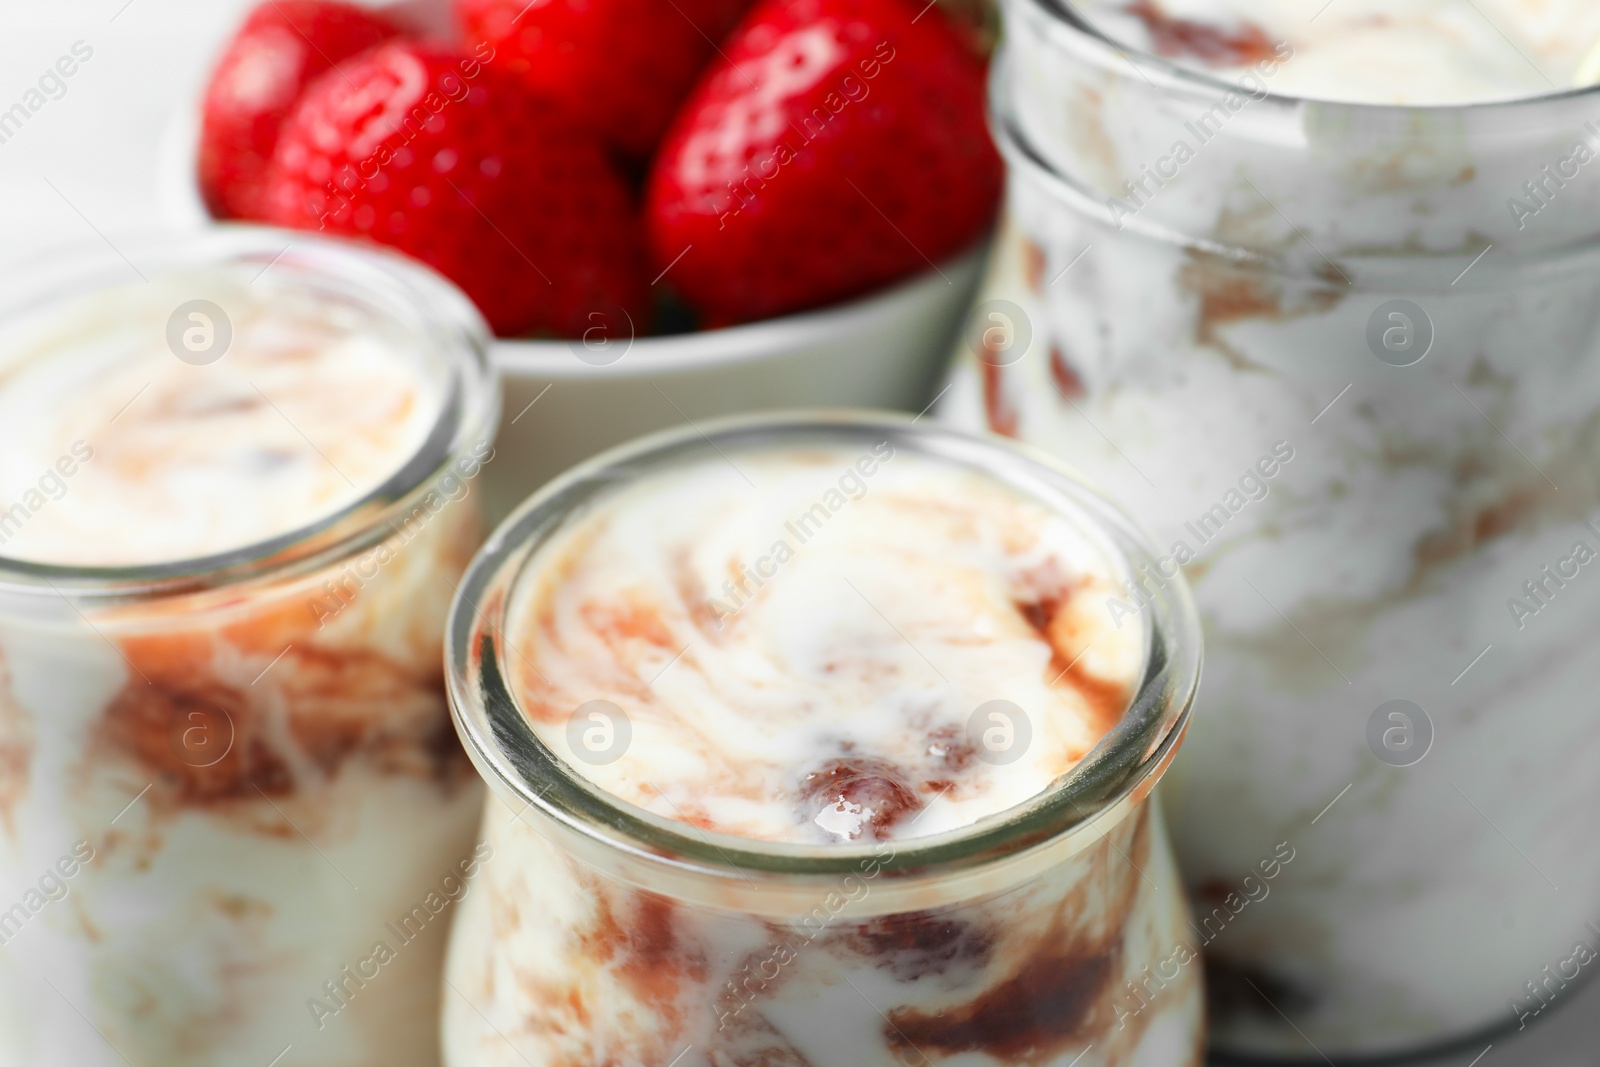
[618, 66]
[280, 48]
[841, 145]
[446, 158]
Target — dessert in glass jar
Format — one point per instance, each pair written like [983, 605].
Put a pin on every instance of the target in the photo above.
[235, 493]
[1315, 295]
[810, 744]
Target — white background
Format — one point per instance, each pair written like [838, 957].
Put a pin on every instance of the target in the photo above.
[88, 162]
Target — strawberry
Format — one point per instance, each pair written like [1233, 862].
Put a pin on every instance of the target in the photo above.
[618, 66]
[840, 145]
[280, 48]
[442, 156]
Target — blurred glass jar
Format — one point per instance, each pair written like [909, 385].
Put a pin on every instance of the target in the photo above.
[1053, 935]
[1342, 359]
[225, 781]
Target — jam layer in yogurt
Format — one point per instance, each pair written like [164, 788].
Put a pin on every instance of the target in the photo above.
[822, 645]
[1421, 52]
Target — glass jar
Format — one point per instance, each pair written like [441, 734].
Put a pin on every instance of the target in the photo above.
[1342, 360]
[224, 782]
[1055, 933]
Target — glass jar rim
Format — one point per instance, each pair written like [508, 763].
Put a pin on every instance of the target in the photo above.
[1124, 764]
[1026, 162]
[443, 318]
[1170, 76]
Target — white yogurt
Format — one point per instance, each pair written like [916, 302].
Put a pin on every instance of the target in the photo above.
[826, 635]
[305, 413]
[1417, 52]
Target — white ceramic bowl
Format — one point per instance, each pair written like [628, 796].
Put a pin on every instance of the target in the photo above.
[885, 350]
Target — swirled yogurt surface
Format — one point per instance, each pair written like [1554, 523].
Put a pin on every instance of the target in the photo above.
[124, 446]
[822, 645]
[1422, 52]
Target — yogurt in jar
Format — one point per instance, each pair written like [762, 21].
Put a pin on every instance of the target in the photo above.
[301, 416]
[226, 768]
[814, 659]
[1342, 359]
[832, 701]
[1414, 52]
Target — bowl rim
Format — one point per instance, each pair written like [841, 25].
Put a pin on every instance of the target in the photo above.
[751, 341]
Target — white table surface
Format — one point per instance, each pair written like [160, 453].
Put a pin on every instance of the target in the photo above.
[88, 162]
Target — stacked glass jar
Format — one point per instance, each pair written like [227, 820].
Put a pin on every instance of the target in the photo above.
[1341, 358]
